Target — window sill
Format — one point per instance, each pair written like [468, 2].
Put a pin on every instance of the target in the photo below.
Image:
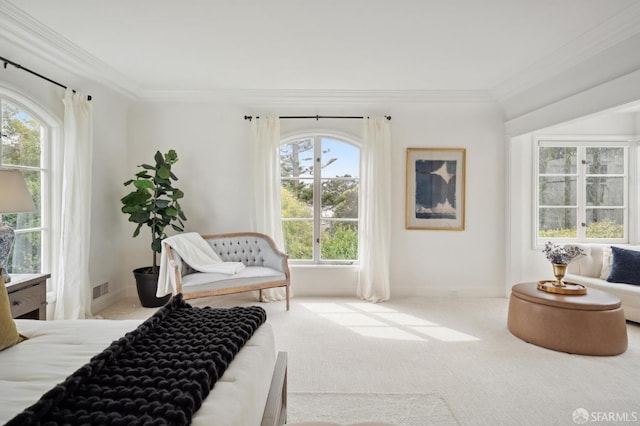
[353, 266]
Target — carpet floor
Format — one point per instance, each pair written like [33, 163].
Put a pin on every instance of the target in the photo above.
[457, 349]
[413, 409]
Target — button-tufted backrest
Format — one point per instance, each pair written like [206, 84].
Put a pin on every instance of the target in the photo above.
[252, 249]
[248, 249]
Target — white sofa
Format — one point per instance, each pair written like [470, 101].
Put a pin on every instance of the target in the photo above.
[592, 270]
[265, 267]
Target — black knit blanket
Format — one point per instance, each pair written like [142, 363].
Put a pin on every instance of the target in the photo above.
[157, 374]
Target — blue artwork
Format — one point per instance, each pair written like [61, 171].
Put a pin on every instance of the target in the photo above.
[435, 189]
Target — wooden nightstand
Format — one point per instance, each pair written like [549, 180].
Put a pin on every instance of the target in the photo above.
[28, 296]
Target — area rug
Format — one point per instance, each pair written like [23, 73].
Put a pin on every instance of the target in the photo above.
[411, 409]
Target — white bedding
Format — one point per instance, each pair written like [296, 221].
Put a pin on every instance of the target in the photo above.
[56, 349]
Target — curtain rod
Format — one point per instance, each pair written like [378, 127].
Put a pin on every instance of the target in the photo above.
[317, 117]
[20, 67]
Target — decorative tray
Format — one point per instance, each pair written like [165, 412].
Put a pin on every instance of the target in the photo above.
[568, 289]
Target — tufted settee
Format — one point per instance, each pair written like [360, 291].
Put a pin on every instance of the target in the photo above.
[592, 271]
[265, 267]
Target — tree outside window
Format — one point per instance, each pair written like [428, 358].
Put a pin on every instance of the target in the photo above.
[320, 183]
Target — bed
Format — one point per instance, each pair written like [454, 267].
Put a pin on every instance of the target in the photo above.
[252, 390]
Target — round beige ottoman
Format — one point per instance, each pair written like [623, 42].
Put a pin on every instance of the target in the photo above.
[589, 324]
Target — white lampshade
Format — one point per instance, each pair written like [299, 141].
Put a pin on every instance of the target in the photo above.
[14, 195]
[14, 198]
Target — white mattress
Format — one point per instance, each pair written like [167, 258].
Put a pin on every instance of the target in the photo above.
[56, 349]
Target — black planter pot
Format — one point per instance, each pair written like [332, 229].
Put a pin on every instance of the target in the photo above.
[147, 285]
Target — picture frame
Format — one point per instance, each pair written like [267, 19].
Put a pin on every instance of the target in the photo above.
[435, 190]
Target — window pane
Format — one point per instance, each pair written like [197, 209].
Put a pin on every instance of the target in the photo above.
[557, 160]
[339, 159]
[340, 198]
[557, 223]
[20, 137]
[297, 198]
[31, 219]
[605, 223]
[25, 256]
[296, 159]
[558, 191]
[603, 161]
[298, 238]
[339, 240]
[603, 191]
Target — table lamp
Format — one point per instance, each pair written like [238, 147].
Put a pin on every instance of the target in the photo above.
[14, 198]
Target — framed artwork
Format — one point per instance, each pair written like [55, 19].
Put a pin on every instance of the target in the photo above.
[435, 188]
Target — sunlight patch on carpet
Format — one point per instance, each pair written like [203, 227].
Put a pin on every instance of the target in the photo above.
[372, 320]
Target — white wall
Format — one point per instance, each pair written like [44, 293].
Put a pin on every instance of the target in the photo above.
[525, 262]
[110, 145]
[212, 143]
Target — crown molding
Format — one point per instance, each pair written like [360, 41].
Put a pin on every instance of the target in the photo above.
[618, 28]
[293, 97]
[37, 39]
[32, 36]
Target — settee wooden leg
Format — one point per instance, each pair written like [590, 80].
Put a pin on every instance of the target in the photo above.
[287, 297]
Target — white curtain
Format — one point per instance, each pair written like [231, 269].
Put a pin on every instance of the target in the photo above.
[72, 278]
[375, 222]
[267, 219]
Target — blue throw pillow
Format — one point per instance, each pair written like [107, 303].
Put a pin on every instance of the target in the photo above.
[625, 267]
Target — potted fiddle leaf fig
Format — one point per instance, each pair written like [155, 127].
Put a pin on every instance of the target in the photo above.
[154, 203]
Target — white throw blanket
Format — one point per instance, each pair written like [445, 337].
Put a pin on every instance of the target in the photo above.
[197, 253]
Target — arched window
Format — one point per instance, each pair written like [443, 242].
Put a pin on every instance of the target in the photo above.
[320, 178]
[26, 140]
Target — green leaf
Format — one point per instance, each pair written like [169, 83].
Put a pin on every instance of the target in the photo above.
[171, 211]
[136, 198]
[177, 194]
[177, 228]
[130, 209]
[128, 182]
[139, 217]
[171, 157]
[144, 184]
[156, 245]
[137, 231]
[158, 158]
[162, 203]
[164, 172]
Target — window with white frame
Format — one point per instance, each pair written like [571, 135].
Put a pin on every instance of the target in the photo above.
[319, 187]
[582, 190]
[24, 147]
